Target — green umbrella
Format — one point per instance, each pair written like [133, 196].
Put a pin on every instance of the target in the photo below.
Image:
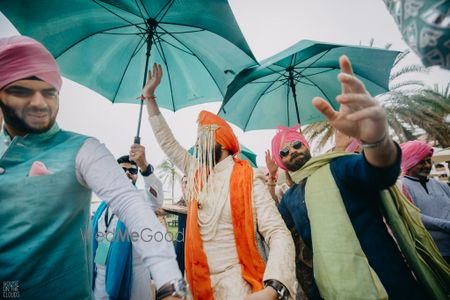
[245, 153]
[280, 89]
[425, 27]
[107, 45]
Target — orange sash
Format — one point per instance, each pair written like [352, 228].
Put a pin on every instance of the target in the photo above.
[252, 265]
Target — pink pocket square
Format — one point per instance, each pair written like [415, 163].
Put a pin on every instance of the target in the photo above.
[38, 168]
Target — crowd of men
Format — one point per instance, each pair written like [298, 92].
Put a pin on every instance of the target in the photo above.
[365, 238]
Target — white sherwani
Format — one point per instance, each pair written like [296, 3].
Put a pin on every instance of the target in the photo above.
[216, 229]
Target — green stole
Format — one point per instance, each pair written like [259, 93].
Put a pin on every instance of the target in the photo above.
[341, 269]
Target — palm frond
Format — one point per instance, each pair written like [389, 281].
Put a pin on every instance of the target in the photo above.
[400, 57]
[408, 69]
[408, 83]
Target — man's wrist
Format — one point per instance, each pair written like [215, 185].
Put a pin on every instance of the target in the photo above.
[381, 141]
[142, 165]
[147, 170]
[272, 292]
[148, 97]
[174, 288]
[281, 291]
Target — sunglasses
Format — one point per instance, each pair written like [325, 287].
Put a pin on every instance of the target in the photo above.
[132, 171]
[285, 151]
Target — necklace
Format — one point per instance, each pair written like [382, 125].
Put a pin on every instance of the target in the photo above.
[107, 220]
[213, 203]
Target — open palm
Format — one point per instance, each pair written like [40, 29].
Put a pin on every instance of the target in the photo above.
[359, 115]
[271, 164]
[153, 80]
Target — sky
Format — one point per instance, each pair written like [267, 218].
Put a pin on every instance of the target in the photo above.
[269, 27]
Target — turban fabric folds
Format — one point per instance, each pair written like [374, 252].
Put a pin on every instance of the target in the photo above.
[413, 152]
[286, 134]
[22, 57]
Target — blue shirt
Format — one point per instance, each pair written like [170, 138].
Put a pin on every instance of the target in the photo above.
[359, 184]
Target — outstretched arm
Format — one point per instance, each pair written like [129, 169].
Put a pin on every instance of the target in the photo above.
[176, 153]
[98, 170]
[361, 117]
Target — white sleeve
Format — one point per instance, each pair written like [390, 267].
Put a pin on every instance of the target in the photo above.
[98, 170]
[153, 191]
[281, 261]
[176, 153]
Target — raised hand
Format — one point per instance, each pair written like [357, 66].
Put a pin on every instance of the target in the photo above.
[271, 164]
[359, 115]
[153, 80]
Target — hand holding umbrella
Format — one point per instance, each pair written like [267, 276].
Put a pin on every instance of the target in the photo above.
[137, 154]
[360, 116]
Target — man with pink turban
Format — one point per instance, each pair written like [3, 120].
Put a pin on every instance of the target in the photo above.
[47, 176]
[431, 196]
[229, 212]
[336, 205]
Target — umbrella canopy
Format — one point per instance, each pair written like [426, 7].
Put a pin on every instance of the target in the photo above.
[103, 44]
[280, 89]
[107, 45]
[245, 153]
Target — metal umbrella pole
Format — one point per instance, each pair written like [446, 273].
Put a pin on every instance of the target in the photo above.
[294, 94]
[151, 28]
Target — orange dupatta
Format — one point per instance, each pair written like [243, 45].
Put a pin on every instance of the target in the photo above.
[252, 265]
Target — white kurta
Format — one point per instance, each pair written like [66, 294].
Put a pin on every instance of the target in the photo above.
[217, 229]
[141, 287]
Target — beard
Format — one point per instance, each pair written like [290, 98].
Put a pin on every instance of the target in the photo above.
[17, 122]
[217, 153]
[296, 163]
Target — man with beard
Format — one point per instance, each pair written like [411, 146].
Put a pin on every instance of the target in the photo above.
[431, 196]
[336, 203]
[228, 207]
[46, 178]
[123, 274]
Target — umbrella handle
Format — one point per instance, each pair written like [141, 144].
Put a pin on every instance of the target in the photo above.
[137, 139]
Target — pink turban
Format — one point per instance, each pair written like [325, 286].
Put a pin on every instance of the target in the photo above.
[22, 57]
[413, 152]
[286, 134]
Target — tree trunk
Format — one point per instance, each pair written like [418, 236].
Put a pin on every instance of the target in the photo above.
[173, 186]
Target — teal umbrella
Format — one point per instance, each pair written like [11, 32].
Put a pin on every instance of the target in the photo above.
[245, 153]
[280, 89]
[108, 45]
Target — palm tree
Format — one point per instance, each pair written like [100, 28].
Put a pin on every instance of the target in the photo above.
[422, 112]
[169, 174]
[411, 107]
